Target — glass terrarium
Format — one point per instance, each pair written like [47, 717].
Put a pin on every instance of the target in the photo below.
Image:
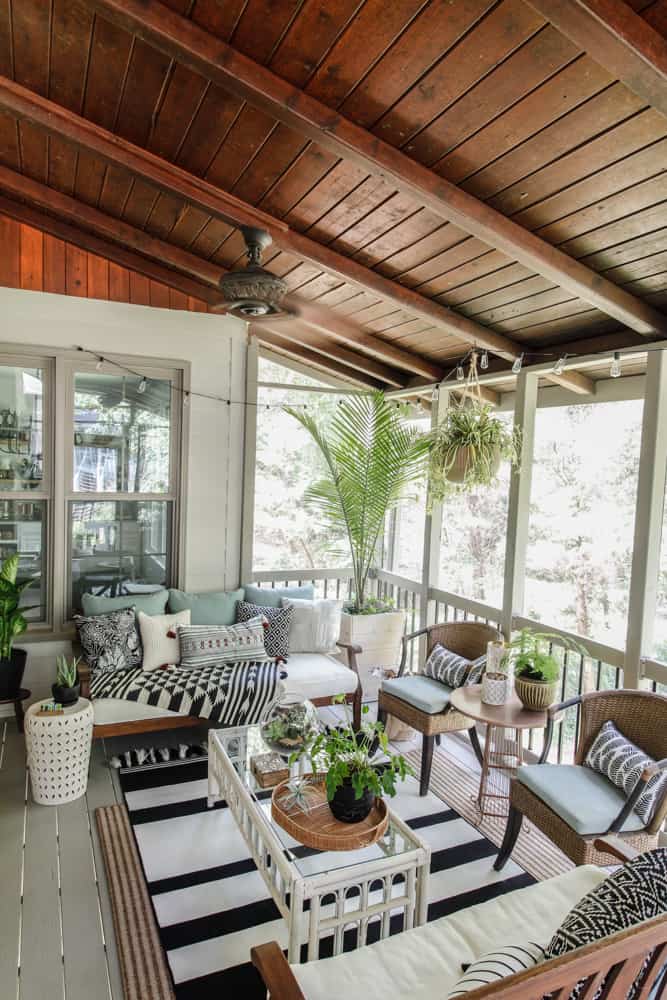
[290, 725]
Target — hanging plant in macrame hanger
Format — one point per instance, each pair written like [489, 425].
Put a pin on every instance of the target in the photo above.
[470, 443]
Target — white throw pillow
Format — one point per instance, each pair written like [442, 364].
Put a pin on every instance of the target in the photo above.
[159, 637]
[315, 624]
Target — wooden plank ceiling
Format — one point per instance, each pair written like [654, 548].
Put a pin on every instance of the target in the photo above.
[433, 174]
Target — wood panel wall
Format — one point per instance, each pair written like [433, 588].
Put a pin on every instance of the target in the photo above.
[38, 262]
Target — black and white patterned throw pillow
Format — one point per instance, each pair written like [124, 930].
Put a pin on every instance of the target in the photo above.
[476, 671]
[497, 964]
[447, 667]
[614, 756]
[632, 894]
[276, 637]
[110, 642]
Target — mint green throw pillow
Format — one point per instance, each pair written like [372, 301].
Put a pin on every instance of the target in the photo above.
[214, 608]
[270, 597]
[150, 604]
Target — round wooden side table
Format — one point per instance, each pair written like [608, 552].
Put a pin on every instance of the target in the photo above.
[17, 702]
[503, 746]
[58, 748]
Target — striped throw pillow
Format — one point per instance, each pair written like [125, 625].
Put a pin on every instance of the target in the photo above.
[447, 667]
[497, 964]
[202, 645]
[614, 756]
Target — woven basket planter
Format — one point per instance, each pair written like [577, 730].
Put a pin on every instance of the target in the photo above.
[459, 467]
[536, 696]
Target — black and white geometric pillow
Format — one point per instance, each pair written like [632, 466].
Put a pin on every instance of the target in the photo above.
[276, 637]
[110, 642]
[476, 671]
[614, 756]
[497, 964]
[447, 667]
[632, 894]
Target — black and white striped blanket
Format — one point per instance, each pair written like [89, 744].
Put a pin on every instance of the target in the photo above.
[231, 694]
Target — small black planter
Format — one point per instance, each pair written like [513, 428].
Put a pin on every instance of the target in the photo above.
[346, 807]
[11, 674]
[65, 695]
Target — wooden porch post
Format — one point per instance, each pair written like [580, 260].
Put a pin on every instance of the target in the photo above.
[432, 529]
[249, 461]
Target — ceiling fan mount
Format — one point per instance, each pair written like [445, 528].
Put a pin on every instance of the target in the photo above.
[252, 291]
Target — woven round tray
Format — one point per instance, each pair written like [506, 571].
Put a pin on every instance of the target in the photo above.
[319, 828]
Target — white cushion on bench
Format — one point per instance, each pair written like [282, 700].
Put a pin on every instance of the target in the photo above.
[424, 963]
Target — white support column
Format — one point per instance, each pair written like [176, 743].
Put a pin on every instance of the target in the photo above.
[519, 500]
[249, 461]
[648, 520]
[432, 529]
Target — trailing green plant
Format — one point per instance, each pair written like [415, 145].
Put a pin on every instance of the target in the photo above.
[346, 754]
[12, 621]
[471, 426]
[526, 654]
[67, 671]
[373, 606]
[371, 457]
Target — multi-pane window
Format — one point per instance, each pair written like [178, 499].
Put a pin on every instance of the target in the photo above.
[120, 508]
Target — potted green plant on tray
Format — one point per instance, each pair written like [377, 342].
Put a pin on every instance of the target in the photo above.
[12, 624]
[468, 447]
[67, 687]
[372, 457]
[353, 782]
[537, 672]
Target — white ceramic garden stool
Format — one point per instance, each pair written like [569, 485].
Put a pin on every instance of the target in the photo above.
[59, 752]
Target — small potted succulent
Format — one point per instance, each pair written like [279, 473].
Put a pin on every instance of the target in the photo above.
[66, 688]
[12, 624]
[536, 671]
[353, 782]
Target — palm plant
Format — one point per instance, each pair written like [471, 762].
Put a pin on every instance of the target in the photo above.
[12, 620]
[371, 457]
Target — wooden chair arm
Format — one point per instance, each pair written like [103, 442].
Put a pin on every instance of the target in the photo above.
[615, 846]
[84, 679]
[552, 718]
[404, 647]
[274, 969]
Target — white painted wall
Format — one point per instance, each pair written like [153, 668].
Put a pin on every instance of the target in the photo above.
[215, 346]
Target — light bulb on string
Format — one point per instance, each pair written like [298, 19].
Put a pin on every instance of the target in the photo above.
[435, 393]
[484, 363]
[516, 367]
[142, 385]
[186, 398]
[98, 366]
[560, 364]
[460, 374]
[615, 370]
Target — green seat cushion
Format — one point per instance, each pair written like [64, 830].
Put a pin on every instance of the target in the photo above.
[150, 604]
[421, 692]
[586, 800]
[210, 608]
[270, 597]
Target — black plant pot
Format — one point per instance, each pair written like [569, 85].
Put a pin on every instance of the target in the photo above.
[11, 674]
[65, 695]
[346, 807]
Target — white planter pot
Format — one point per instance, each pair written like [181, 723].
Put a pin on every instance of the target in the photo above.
[380, 639]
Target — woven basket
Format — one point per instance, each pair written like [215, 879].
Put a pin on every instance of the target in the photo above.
[536, 696]
[459, 467]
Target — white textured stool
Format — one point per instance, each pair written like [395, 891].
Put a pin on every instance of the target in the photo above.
[59, 752]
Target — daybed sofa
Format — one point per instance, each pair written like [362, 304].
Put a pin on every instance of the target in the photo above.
[426, 963]
[316, 676]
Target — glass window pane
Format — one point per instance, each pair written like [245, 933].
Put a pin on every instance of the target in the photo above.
[119, 548]
[121, 433]
[23, 530]
[21, 429]
[582, 512]
[474, 531]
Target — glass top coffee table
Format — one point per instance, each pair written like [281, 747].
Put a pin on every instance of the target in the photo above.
[319, 893]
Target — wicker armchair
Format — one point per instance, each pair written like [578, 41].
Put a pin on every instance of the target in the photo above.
[642, 717]
[468, 639]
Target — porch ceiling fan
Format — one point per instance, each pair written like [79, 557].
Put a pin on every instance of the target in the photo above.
[252, 292]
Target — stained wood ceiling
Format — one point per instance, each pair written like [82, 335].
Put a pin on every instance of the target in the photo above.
[376, 142]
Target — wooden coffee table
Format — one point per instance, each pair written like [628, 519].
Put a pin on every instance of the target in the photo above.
[503, 746]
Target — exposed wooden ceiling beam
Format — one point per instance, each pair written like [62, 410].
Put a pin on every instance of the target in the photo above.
[29, 106]
[192, 46]
[167, 177]
[290, 331]
[574, 381]
[312, 358]
[617, 38]
[489, 396]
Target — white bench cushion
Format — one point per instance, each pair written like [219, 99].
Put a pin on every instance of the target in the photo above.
[424, 963]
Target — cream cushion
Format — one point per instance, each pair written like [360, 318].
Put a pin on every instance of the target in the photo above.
[425, 963]
[159, 647]
[315, 625]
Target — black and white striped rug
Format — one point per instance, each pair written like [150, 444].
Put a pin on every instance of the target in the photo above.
[211, 903]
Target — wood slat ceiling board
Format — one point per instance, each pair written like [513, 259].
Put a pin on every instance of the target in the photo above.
[36, 261]
[484, 92]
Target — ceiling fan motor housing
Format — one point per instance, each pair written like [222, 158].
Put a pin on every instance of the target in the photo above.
[253, 291]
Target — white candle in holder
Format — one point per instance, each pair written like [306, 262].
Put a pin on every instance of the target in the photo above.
[495, 654]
